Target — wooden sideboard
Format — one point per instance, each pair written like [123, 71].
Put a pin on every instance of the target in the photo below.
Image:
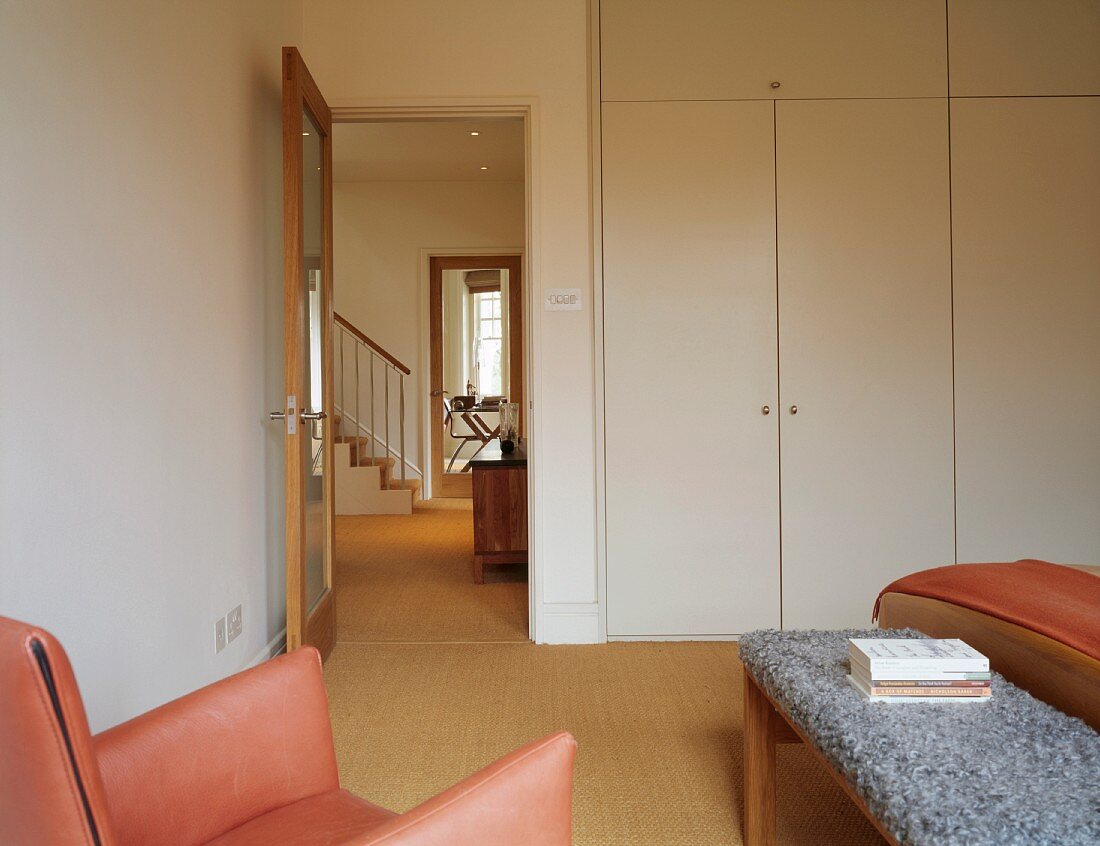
[500, 508]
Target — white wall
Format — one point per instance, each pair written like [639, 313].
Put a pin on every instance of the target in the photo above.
[422, 51]
[140, 336]
[379, 230]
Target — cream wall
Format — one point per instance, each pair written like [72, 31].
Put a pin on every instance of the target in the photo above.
[379, 230]
[140, 336]
[423, 51]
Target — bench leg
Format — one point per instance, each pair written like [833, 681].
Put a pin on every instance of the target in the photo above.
[760, 738]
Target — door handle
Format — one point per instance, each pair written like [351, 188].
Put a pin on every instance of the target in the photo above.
[313, 415]
[794, 409]
[277, 415]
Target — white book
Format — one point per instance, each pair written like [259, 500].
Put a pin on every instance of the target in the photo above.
[915, 656]
[868, 697]
[864, 672]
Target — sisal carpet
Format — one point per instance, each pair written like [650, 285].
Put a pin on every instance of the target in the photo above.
[433, 677]
[409, 578]
[659, 728]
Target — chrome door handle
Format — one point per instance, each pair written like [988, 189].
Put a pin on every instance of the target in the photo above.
[313, 415]
[277, 415]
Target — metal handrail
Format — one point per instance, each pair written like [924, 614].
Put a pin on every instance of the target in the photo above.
[376, 356]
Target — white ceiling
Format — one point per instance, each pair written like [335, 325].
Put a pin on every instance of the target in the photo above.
[443, 151]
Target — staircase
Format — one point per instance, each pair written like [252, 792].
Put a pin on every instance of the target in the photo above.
[372, 467]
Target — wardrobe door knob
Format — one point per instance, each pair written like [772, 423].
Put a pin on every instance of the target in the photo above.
[794, 409]
[767, 409]
[776, 84]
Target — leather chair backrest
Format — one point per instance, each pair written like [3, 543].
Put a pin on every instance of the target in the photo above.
[50, 789]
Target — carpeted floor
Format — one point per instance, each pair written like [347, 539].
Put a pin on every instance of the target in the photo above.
[658, 724]
[409, 578]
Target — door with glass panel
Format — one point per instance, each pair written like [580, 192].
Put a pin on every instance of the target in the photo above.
[476, 328]
[307, 322]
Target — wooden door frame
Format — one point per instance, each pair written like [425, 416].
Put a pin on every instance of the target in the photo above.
[513, 263]
[301, 92]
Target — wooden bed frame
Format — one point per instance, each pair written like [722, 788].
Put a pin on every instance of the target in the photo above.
[1058, 674]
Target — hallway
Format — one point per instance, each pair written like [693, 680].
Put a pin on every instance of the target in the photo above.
[408, 579]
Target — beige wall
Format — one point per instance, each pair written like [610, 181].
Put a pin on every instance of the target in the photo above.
[423, 51]
[379, 230]
[140, 336]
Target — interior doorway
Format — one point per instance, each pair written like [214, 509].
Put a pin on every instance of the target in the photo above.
[476, 360]
[419, 203]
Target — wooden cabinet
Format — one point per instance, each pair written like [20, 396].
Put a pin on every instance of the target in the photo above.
[735, 49]
[1026, 213]
[689, 346]
[865, 351]
[1024, 47]
[500, 513]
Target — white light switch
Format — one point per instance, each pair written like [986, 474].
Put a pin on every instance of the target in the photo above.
[561, 299]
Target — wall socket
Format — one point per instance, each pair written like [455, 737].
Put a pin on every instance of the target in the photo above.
[228, 629]
[235, 623]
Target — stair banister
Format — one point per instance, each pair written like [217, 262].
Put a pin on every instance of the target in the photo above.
[377, 355]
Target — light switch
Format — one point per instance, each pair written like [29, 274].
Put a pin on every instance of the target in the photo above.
[561, 299]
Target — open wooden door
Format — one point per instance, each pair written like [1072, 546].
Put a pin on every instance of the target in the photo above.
[307, 322]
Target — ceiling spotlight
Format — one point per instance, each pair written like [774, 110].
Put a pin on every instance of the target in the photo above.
[483, 167]
[305, 133]
[475, 133]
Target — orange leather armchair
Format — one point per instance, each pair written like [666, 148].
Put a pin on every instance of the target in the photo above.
[248, 760]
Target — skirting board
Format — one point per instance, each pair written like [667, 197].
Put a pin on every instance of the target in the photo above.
[275, 646]
[561, 622]
[733, 637]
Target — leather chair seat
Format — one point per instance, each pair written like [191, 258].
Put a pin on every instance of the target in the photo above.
[331, 818]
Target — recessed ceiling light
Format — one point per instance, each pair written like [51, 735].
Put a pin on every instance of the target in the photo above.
[475, 133]
[483, 167]
[305, 133]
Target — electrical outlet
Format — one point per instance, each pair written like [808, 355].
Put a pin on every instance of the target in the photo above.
[219, 636]
[235, 623]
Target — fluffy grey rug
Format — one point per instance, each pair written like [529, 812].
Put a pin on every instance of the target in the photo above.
[1009, 772]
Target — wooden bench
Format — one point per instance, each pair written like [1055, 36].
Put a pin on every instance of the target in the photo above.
[1040, 768]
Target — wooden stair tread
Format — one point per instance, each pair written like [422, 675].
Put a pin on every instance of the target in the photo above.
[379, 461]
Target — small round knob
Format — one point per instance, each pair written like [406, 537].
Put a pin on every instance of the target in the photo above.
[776, 84]
[767, 409]
[794, 409]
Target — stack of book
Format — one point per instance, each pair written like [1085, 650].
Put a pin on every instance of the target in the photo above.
[918, 670]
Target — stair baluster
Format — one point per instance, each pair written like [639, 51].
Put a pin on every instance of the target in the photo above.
[359, 432]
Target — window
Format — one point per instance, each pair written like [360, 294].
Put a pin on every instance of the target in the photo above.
[488, 343]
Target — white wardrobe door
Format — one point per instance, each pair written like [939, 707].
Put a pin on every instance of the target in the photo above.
[735, 49]
[865, 351]
[1026, 195]
[1022, 47]
[690, 360]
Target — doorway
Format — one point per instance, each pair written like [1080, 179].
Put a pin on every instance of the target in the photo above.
[416, 201]
[476, 361]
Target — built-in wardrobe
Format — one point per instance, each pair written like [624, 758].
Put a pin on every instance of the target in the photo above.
[851, 300]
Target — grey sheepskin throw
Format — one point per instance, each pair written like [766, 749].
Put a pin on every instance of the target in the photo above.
[1009, 772]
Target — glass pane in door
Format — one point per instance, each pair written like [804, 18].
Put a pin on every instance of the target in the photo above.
[312, 399]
